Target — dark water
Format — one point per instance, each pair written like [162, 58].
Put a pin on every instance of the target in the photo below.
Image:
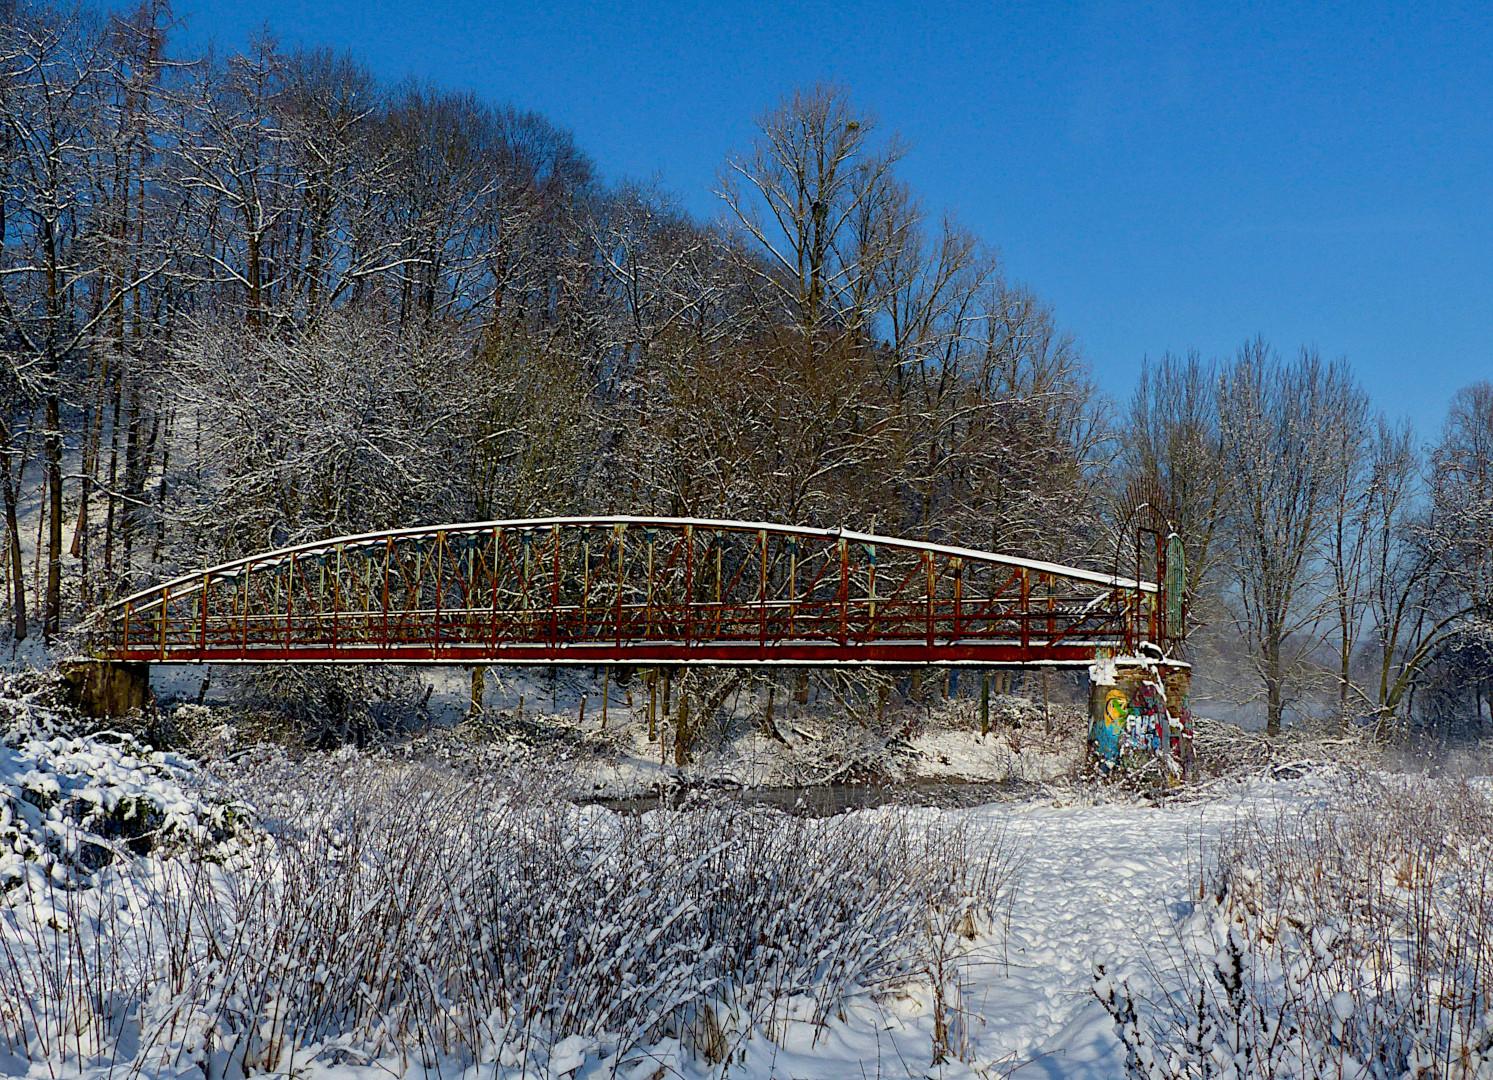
[830, 799]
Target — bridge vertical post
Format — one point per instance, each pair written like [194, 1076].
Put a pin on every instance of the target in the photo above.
[366, 603]
[388, 567]
[1052, 623]
[524, 578]
[621, 531]
[585, 604]
[440, 550]
[958, 567]
[689, 581]
[1133, 644]
[336, 597]
[1156, 596]
[165, 612]
[1026, 614]
[555, 593]
[202, 619]
[792, 543]
[497, 534]
[844, 590]
[929, 586]
[248, 572]
[648, 597]
[1163, 622]
[289, 600]
[762, 594]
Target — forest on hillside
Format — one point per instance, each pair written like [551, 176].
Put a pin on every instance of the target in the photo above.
[250, 299]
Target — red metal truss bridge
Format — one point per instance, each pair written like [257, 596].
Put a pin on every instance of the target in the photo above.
[633, 590]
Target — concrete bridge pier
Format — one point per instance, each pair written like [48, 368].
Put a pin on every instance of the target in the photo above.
[107, 688]
[1140, 707]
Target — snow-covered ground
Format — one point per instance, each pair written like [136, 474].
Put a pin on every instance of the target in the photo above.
[1100, 878]
[1099, 881]
[1100, 884]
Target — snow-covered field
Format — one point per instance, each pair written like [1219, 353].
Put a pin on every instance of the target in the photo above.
[627, 946]
[1098, 884]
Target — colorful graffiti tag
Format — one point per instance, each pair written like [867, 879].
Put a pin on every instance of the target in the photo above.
[1133, 720]
[1109, 726]
[1147, 720]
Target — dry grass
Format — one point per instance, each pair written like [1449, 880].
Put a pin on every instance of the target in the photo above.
[403, 912]
[1349, 939]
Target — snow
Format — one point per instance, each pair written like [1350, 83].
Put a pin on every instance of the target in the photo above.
[68, 803]
[1100, 883]
[1103, 879]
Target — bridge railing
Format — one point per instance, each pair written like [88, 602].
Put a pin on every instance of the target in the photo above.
[597, 590]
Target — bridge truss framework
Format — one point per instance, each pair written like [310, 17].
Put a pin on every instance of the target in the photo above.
[635, 590]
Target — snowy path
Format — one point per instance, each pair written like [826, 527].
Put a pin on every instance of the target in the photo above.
[1099, 885]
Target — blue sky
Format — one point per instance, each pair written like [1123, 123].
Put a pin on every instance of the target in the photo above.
[1167, 175]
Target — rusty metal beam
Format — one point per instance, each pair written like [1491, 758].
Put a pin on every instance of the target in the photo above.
[814, 601]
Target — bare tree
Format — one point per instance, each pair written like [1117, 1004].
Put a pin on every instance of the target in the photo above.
[1397, 569]
[349, 427]
[1463, 485]
[56, 72]
[1281, 427]
[1171, 453]
[237, 166]
[813, 194]
[1353, 513]
[1461, 637]
[1037, 462]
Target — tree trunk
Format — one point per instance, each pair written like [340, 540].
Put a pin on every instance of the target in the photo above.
[1345, 660]
[1274, 690]
[52, 619]
[17, 563]
[109, 514]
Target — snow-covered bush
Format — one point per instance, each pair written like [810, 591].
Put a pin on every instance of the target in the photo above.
[71, 802]
[1353, 939]
[1226, 749]
[387, 912]
[325, 706]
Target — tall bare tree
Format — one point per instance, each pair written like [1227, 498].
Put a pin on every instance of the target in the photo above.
[1171, 452]
[1281, 427]
[56, 69]
[815, 194]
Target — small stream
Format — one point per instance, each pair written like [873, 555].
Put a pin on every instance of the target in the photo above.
[827, 800]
